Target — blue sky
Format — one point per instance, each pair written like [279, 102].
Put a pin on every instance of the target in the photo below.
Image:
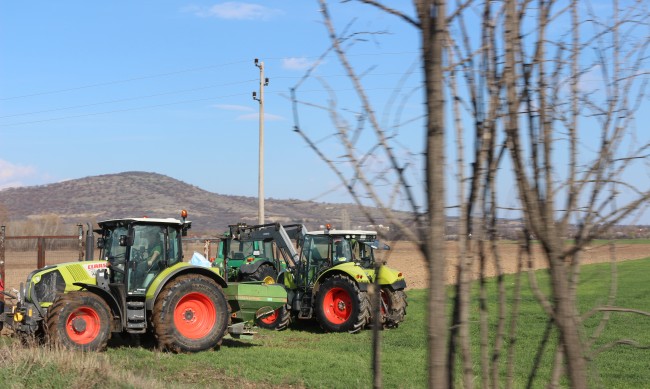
[90, 88]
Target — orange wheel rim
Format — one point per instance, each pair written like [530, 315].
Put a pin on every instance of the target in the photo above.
[195, 315]
[270, 319]
[83, 325]
[337, 305]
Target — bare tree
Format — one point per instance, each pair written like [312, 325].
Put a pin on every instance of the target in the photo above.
[527, 90]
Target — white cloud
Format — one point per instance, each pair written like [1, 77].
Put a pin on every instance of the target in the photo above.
[256, 116]
[295, 63]
[9, 171]
[233, 107]
[235, 10]
[11, 175]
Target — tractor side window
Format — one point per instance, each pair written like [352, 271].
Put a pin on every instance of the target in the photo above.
[267, 250]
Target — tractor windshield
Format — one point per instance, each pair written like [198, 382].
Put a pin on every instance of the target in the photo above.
[260, 249]
[342, 250]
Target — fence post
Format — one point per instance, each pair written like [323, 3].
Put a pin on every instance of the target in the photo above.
[80, 228]
[40, 258]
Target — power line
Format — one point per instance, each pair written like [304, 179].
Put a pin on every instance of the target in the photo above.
[178, 92]
[114, 82]
[120, 110]
[120, 81]
[127, 99]
[174, 103]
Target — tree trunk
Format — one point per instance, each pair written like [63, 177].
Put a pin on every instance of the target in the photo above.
[567, 321]
[432, 18]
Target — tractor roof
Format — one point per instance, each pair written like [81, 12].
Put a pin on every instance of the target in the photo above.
[342, 232]
[145, 220]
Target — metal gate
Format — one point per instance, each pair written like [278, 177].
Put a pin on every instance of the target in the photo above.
[19, 255]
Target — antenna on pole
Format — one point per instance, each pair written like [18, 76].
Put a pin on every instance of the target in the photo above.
[260, 193]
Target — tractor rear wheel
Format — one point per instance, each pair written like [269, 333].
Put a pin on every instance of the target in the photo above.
[79, 320]
[190, 314]
[393, 307]
[278, 320]
[341, 306]
[263, 273]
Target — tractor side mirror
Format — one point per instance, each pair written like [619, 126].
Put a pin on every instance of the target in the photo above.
[100, 243]
[127, 240]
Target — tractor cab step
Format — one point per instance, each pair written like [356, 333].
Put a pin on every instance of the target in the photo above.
[136, 322]
[306, 311]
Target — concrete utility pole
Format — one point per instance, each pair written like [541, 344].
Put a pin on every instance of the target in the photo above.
[260, 193]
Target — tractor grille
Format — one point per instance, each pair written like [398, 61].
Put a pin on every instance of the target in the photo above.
[51, 283]
[77, 272]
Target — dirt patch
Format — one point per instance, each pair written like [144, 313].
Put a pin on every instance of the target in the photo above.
[404, 256]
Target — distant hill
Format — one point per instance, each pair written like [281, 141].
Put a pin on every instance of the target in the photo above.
[136, 194]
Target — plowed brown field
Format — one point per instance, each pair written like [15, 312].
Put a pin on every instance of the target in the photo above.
[403, 256]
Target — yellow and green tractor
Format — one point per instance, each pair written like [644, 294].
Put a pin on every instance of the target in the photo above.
[139, 286]
[329, 276]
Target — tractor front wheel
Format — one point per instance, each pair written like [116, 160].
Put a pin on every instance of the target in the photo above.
[341, 306]
[278, 320]
[190, 314]
[264, 273]
[79, 320]
[393, 307]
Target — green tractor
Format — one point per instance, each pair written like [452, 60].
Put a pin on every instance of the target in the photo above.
[251, 253]
[140, 286]
[330, 278]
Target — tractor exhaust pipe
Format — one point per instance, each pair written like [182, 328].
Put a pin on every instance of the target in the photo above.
[90, 243]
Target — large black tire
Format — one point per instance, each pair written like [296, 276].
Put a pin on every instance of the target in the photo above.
[190, 314]
[341, 306]
[79, 320]
[393, 307]
[279, 320]
[261, 274]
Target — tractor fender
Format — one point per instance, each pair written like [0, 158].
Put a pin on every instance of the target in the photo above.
[251, 267]
[391, 277]
[177, 270]
[395, 286]
[348, 269]
[113, 304]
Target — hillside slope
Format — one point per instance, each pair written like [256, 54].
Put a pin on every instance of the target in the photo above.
[137, 194]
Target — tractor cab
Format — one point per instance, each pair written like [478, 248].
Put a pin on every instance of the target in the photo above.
[138, 249]
[322, 250]
[242, 253]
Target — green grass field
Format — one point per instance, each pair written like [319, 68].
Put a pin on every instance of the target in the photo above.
[304, 356]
